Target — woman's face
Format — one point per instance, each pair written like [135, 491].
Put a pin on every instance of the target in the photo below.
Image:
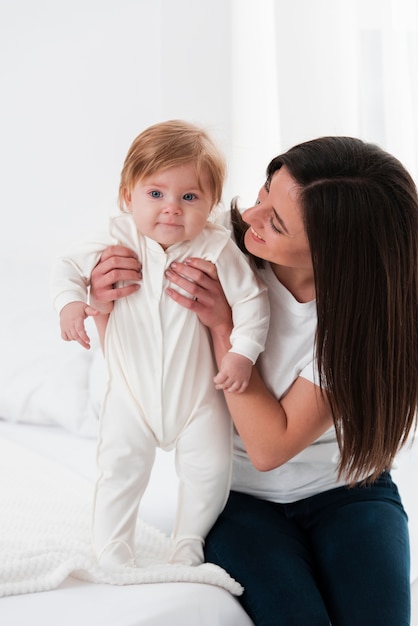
[277, 232]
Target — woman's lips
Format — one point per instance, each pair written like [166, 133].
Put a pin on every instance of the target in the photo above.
[255, 235]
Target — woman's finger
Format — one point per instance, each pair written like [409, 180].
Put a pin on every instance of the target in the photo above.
[200, 280]
[119, 252]
[194, 289]
[117, 268]
[207, 267]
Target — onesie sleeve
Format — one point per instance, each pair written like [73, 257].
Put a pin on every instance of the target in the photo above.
[247, 295]
[71, 272]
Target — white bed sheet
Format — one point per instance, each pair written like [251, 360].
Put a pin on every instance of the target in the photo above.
[83, 603]
[76, 603]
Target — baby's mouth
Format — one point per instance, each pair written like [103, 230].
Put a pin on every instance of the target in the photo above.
[170, 224]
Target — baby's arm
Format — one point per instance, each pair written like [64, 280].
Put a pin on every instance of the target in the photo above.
[234, 374]
[72, 318]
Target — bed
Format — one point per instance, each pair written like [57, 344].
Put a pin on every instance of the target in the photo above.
[49, 401]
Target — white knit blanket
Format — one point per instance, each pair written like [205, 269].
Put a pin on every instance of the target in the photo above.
[45, 533]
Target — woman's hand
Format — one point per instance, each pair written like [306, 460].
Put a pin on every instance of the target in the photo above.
[199, 278]
[116, 264]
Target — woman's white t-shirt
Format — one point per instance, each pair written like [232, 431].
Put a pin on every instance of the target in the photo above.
[289, 353]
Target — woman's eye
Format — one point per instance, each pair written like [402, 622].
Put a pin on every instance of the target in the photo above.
[189, 196]
[155, 194]
[274, 227]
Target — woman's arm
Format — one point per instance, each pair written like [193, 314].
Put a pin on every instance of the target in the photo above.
[272, 431]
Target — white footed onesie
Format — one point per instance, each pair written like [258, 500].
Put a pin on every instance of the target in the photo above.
[160, 389]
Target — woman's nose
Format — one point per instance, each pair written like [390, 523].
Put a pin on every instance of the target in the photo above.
[255, 212]
[246, 215]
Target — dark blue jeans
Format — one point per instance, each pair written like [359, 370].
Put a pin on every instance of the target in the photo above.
[340, 557]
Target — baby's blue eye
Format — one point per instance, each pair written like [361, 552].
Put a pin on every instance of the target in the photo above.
[156, 194]
[189, 196]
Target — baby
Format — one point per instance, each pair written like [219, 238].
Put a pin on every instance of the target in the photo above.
[160, 388]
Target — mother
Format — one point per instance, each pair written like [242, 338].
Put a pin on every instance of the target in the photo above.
[314, 528]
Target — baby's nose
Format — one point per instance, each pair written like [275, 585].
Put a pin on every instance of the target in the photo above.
[172, 208]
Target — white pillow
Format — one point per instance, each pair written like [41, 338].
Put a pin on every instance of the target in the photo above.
[43, 379]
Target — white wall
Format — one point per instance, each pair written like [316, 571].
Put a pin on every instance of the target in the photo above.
[81, 78]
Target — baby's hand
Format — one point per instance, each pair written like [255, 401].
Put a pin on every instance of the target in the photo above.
[72, 318]
[234, 374]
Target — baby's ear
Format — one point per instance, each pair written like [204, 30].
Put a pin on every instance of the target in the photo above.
[127, 198]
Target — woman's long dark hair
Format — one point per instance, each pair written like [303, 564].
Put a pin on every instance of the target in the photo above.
[360, 211]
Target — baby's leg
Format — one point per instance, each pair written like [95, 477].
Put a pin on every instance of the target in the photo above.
[203, 464]
[125, 455]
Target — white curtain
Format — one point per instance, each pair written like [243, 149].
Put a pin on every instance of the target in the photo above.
[303, 69]
[80, 78]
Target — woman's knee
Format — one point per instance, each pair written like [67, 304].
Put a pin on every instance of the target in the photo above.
[268, 555]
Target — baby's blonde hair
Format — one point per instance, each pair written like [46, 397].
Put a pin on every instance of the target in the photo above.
[169, 144]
